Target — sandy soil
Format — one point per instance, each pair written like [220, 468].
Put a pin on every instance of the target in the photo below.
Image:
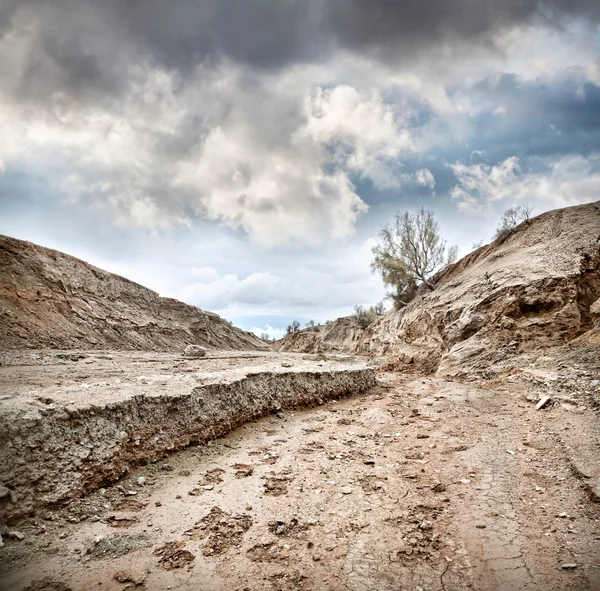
[422, 484]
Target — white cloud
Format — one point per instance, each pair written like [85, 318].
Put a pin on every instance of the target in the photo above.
[271, 159]
[274, 333]
[568, 181]
[315, 286]
[364, 133]
[425, 178]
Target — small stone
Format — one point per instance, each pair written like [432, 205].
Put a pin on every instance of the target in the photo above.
[194, 351]
[426, 525]
[346, 490]
[369, 462]
[480, 525]
[208, 486]
[569, 566]
[286, 364]
[544, 401]
[316, 557]
[4, 492]
[16, 535]
[141, 481]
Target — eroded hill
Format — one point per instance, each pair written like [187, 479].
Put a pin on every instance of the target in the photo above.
[49, 299]
[534, 290]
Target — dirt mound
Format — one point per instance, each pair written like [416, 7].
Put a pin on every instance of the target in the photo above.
[341, 335]
[49, 299]
[531, 290]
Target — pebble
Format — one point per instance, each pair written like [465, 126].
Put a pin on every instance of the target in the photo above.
[568, 566]
[346, 490]
[16, 535]
[141, 481]
[4, 492]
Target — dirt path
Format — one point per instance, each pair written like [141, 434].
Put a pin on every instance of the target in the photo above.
[420, 485]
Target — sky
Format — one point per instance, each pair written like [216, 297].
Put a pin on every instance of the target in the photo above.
[243, 155]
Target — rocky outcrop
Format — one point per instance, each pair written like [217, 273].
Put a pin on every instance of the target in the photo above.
[526, 292]
[52, 300]
[342, 335]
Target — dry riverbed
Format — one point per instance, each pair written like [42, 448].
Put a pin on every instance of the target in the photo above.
[419, 484]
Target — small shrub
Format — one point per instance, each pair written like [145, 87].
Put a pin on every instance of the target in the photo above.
[366, 316]
[293, 327]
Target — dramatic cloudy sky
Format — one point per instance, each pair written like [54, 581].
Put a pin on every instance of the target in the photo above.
[242, 155]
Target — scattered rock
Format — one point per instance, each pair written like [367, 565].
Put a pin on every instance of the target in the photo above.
[212, 477]
[172, 555]
[276, 485]
[220, 530]
[288, 529]
[569, 566]
[346, 490]
[123, 576]
[194, 351]
[543, 403]
[243, 470]
[16, 535]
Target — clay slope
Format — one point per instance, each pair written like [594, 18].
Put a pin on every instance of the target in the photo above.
[341, 335]
[49, 299]
[525, 293]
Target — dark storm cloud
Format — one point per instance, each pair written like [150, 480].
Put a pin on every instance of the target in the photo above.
[85, 47]
[401, 28]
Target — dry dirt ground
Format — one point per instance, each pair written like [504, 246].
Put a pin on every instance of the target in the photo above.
[421, 484]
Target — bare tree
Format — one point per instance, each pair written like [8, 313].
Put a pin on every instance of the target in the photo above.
[512, 217]
[411, 252]
[265, 336]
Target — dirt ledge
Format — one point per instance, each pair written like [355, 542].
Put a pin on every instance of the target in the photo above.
[56, 453]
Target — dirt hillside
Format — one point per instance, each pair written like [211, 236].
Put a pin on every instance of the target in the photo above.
[341, 335]
[50, 299]
[535, 289]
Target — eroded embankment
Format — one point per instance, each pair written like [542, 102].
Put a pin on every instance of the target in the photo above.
[53, 454]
